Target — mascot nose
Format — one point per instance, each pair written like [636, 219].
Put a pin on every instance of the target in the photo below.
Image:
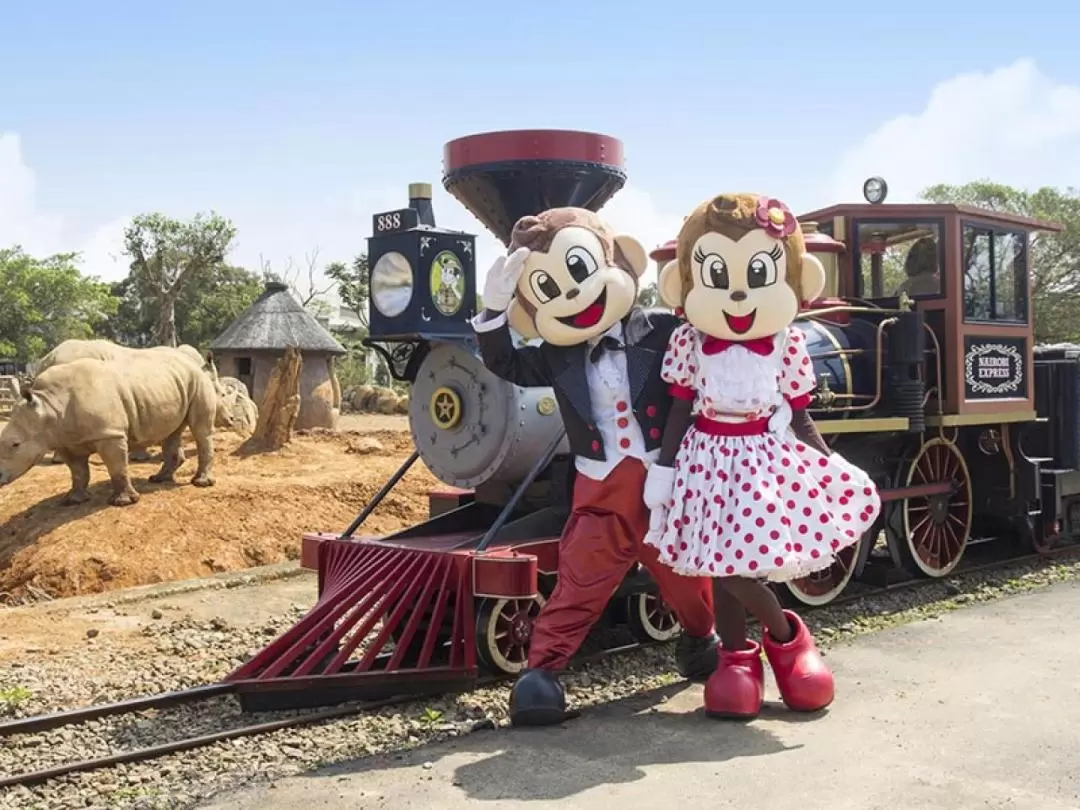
[738, 296]
[572, 294]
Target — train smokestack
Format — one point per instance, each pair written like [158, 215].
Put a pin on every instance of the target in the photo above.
[503, 176]
[420, 202]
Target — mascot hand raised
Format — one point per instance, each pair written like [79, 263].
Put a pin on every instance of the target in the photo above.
[502, 279]
[579, 277]
[742, 270]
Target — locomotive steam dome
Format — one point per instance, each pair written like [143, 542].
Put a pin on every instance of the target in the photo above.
[470, 426]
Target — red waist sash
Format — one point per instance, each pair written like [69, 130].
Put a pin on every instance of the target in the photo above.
[712, 427]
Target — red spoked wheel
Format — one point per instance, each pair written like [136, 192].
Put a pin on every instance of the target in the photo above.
[650, 619]
[824, 586]
[503, 631]
[935, 528]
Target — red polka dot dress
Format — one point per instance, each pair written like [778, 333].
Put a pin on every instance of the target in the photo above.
[747, 502]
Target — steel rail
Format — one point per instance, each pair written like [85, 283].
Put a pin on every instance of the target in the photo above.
[200, 693]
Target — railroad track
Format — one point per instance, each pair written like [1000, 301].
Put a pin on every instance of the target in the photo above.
[75, 717]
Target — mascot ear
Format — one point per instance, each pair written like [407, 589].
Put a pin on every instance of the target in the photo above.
[634, 252]
[520, 321]
[812, 282]
[670, 286]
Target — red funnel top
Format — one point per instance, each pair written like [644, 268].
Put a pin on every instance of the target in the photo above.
[503, 176]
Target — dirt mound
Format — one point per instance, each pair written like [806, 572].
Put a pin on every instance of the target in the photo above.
[254, 515]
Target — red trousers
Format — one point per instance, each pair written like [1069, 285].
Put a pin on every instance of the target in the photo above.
[602, 539]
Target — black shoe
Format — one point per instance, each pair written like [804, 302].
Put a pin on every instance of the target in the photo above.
[537, 699]
[696, 656]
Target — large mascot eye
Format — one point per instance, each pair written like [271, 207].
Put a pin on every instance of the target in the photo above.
[580, 263]
[544, 286]
[714, 271]
[761, 271]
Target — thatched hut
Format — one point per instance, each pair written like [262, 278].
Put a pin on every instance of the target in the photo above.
[254, 342]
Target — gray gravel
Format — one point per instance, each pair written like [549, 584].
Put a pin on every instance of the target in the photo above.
[190, 653]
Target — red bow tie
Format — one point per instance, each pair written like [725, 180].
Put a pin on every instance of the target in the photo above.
[714, 345]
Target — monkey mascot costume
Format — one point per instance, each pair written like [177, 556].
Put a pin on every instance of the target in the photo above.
[742, 497]
[572, 282]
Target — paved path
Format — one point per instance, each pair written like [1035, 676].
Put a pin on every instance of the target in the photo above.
[979, 709]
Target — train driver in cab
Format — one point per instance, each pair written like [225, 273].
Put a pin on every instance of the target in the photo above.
[571, 281]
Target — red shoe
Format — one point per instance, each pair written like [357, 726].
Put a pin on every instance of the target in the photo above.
[804, 681]
[736, 688]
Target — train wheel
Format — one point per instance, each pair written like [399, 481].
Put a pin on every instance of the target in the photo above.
[650, 619]
[935, 527]
[503, 630]
[822, 587]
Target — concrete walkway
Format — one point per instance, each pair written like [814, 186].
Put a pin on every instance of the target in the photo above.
[979, 709]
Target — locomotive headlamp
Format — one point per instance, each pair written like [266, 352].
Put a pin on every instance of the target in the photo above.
[391, 284]
[874, 190]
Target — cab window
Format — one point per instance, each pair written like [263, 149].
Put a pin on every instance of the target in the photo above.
[995, 274]
[899, 257]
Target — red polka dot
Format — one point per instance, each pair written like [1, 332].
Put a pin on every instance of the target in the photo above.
[763, 549]
[654, 433]
[595, 446]
[621, 406]
[624, 443]
[651, 410]
[778, 561]
[752, 565]
[622, 422]
[730, 569]
[774, 535]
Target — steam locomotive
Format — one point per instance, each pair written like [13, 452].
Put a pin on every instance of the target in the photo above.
[927, 378]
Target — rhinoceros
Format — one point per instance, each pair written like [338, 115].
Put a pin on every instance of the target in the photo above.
[101, 349]
[108, 407]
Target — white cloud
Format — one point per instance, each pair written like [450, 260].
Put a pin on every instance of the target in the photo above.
[20, 221]
[1013, 125]
[39, 233]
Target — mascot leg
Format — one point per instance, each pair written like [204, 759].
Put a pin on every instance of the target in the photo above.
[595, 552]
[691, 600]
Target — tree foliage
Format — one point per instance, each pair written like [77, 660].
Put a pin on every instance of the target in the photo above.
[167, 253]
[1053, 259]
[207, 304]
[46, 301]
[353, 285]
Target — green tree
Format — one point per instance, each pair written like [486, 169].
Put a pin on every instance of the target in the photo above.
[166, 254]
[353, 285]
[46, 301]
[1054, 258]
[205, 307]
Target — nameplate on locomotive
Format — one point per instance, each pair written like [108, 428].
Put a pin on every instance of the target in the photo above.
[994, 368]
[393, 221]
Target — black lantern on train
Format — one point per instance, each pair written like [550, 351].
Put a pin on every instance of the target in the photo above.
[423, 278]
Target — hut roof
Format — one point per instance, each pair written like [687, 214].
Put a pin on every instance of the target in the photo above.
[276, 320]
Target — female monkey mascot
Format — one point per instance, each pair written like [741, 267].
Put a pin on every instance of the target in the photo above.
[735, 496]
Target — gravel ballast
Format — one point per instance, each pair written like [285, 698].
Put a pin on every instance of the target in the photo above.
[183, 653]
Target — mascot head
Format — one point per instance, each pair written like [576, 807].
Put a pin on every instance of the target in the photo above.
[741, 269]
[580, 278]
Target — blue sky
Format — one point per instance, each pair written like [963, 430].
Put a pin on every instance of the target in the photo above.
[299, 123]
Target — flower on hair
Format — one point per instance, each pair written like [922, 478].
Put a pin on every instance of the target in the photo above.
[775, 218]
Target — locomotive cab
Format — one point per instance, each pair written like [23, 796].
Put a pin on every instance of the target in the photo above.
[965, 271]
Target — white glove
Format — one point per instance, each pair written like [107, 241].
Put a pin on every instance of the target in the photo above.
[657, 519]
[659, 484]
[502, 280]
[780, 421]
